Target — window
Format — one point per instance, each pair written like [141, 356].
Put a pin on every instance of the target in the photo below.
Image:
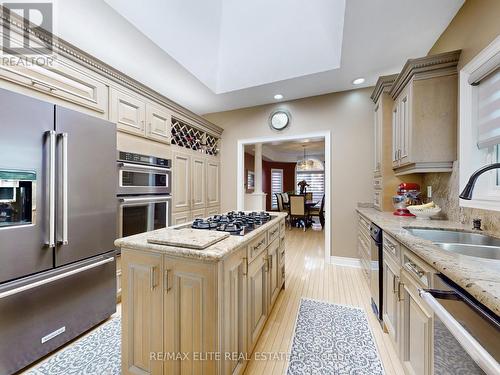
[316, 181]
[276, 186]
[251, 180]
[480, 126]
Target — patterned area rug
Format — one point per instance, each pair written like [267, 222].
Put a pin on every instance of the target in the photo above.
[332, 339]
[99, 352]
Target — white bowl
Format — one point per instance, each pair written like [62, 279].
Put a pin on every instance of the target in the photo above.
[425, 213]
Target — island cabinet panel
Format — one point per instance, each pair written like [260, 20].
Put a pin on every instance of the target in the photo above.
[235, 312]
[273, 267]
[190, 316]
[142, 298]
[257, 298]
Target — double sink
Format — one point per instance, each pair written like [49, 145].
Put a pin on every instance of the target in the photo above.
[465, 243]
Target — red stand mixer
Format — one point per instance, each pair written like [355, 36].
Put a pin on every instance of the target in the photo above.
[408, 194]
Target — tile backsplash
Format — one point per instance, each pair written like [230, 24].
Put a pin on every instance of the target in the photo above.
[445, 191]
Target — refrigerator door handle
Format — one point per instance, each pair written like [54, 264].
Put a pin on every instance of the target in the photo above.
[64, 192]
[479, 354]
[55, 278]
[51, 242]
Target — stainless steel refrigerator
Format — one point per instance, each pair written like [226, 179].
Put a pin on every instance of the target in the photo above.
[57, 226]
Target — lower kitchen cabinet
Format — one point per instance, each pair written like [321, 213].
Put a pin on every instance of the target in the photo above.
[189, 316]
[142, 312]
[235, 311]
[257, 298]
[391, 303]
[416, 328]
[273, 270]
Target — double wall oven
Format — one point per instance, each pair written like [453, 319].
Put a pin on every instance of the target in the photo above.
[144, 193]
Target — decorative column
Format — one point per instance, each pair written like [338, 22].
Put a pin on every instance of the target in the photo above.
[258, 168]
[257, 200]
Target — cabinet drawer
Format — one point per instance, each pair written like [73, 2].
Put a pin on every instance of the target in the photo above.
[392, 247]
[257, 246]
[60, 80]
[273, 233]
[377, 183]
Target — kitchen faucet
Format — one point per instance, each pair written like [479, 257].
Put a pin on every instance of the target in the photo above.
[469, 188]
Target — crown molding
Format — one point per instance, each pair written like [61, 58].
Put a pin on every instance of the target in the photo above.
[426, 67]
[61, 47]
[384, 84]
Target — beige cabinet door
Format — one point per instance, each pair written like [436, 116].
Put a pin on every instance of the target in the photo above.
[377, 137]
[198, 183]
[273, 267]
[159, 123]
[60, 78]
[198, 214]
[416, 328]
[396, 138]
[213, 182]
[390, 302]
[190, 302]
[142, 306]
[181, 178]
[404, 126]
[257, 280]
[181, 217]
[212, 211]
[127, 111]
[235, 312]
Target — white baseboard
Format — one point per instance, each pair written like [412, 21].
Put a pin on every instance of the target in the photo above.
[345, 261]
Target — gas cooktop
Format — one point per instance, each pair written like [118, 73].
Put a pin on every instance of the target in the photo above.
[235, 223]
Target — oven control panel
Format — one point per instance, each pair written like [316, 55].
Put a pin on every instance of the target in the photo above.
[131, 157]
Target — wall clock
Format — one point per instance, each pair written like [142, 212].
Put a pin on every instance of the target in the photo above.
[279, 119]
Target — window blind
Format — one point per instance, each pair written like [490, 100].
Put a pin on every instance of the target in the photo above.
[316, 181]
[276, 185]
[488, 110]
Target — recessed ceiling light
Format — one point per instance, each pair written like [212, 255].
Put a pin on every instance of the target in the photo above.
[278, 96]
[358, 81]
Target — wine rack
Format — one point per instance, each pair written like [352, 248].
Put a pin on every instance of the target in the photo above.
[187, 136]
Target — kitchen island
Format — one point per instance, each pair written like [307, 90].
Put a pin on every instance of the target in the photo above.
[198, 311]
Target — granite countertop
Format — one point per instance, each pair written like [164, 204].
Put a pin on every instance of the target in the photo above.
[479, 277]
[213, 253]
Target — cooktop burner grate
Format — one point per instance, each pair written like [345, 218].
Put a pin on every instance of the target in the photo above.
[235, 223]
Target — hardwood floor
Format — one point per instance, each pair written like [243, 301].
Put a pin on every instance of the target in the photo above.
[307, 275]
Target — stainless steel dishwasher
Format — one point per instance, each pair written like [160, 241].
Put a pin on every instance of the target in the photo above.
[466, 333]
[376, 266]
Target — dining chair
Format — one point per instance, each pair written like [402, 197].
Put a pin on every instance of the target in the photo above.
[320, 212]
[309, 196]
[285, 197]
[279, 198]
[297, 209]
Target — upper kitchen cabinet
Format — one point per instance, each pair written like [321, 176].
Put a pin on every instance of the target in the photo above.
[53, 77]
[384, 180]
[159, 123]
[136, 115]
[127, 111]
[424, 115]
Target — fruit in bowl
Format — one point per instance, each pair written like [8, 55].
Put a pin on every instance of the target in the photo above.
[425, 211]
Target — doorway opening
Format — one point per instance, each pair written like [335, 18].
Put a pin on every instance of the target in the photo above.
[273, 171]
